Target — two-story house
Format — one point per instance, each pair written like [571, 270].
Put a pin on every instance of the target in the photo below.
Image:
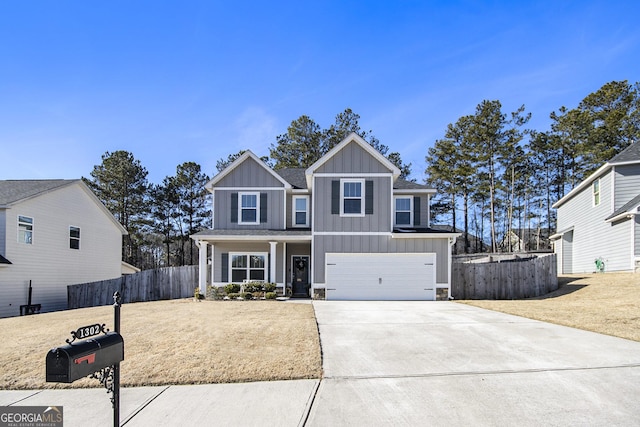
[53, 233]
[598, 224]
[345, 228]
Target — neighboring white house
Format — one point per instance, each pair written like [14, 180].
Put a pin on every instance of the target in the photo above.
[598, 224]
[53, 233]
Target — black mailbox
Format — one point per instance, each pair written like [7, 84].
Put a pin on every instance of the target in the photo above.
[77, 360]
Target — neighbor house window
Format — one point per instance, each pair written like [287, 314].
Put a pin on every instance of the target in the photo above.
[404, 211]
[596, 192]
[249, 206]
[248, 266]
[74, 237]
[25, 229]
[300, 211]
[352, 197]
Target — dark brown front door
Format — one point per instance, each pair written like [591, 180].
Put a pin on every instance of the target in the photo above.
[300, 276]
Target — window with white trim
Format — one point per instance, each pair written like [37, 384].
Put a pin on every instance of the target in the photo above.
[596, 192]
[300, 215]
[25, 229]
[74, 237]
[352, 197]
[403, 211]
[252, 266]
[249, 208]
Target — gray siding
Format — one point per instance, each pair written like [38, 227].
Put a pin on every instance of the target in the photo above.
[567, 253]
[379, 221]
[352, 159]
[275, 214]
[379, 244]
[627, 184]
[249, 174]
[592, 236]
[3, 231]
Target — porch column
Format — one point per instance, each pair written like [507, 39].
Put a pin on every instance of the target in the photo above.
[284, 268]
[272, 269]
[213, 257]
[202, 265]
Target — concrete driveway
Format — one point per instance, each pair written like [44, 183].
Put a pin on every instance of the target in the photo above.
[443, 363]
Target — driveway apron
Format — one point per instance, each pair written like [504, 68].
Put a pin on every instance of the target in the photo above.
[444, 363]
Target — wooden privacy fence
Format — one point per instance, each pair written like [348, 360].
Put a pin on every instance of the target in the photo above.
[504, 279]
[148, 285]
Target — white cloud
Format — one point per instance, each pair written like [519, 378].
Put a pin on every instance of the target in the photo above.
[254, 130]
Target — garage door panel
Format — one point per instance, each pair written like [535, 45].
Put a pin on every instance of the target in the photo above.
[380, 276]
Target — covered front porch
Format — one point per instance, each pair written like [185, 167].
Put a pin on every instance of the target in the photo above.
[238, 256]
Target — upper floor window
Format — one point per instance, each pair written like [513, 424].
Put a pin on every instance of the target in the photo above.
[596, 192]
[25, 229]
[249, 208]
[352, 197]
[74, 237]
[300, 211]
[404, 211]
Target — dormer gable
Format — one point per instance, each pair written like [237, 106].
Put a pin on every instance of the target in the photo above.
[352, 155]
[247, 171]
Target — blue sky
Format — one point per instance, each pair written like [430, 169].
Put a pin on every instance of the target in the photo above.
[199, 80]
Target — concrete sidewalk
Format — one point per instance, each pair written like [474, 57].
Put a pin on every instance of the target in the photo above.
[275, 403]
[442, 363]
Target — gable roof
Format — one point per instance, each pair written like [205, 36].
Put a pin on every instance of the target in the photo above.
[237, 162]
[15, 191]
[294, 176]
[629, 208]
[629, 155]
[357, 139]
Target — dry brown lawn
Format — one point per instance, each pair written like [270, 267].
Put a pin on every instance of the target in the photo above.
[175, 342]
[605, 303]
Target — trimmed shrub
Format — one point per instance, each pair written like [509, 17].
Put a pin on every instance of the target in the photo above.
[269, 287]
[270, 295]
[247, 295]
[232, 288]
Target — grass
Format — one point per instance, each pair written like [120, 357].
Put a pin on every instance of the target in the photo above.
[605, 303]
[174, 342]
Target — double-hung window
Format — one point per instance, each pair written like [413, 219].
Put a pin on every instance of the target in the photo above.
[74, 237]
[249, 208]
[25, 229]
[596, 192]
[300, 211]
[352, 197]
[251, 266]
[404, 211]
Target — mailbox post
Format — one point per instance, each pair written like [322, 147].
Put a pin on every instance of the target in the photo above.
[97, 356]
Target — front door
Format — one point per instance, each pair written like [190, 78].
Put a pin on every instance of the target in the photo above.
[300, 276]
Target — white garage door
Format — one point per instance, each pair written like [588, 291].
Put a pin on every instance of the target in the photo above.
[380, 276]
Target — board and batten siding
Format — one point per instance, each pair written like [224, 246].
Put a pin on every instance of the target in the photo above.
[249, 174]
[275, 214]
[627, 184]
[593, 237]
[379, 221]
[361, 243]
[352, 159]
[49, 262]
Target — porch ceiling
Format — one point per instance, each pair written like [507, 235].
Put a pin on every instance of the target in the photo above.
[253, 235]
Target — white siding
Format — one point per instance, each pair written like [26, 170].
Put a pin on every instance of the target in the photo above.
[592, 236]
[49, 262]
